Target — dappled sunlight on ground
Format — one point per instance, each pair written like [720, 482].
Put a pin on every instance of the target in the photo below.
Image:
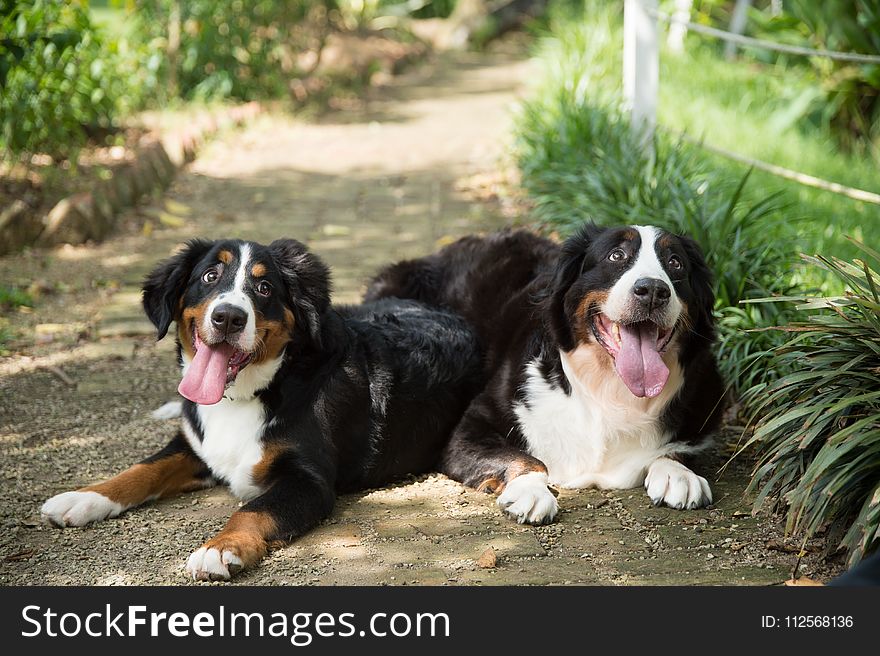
[363, 189]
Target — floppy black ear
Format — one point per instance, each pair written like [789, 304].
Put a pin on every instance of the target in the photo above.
[307, 279]
[701, 283]
[166, 284]
[573, 260]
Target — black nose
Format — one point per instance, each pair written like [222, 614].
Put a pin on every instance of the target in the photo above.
[652, 292]
[229, 319]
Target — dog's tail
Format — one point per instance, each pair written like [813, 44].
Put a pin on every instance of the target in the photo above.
[170, 410]
[418, 280]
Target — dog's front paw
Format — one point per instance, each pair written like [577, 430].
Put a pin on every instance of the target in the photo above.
[677, 486]
[78, 508]
[528, 500]
[212, 564]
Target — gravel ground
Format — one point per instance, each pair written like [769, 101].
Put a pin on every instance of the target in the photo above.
[363, 188]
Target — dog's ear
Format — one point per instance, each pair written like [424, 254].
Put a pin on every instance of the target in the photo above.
[700, 277]
[573, 261]
[166, 284]
[307, 280]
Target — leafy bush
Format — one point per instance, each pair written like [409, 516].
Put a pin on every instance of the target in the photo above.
[229, 49]
[580, 161]
[818, 432]
[843, 96]
[57, 77]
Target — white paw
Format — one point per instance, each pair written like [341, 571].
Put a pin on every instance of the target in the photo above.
[79, 508]
[170, 410]
[677, 486]
[210, 565]
[528, 500]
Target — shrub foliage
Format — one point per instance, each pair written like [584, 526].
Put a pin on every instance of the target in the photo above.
[230, 49]
[57, 77]
[818, 427]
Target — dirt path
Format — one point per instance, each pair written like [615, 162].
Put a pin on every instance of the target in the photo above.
[362, 188]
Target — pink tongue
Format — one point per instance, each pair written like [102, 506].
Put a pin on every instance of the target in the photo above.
[638, 362]
[205, 378]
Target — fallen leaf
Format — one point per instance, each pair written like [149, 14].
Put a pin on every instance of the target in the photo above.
[177, 208]
[804, 581]
[488, 560]
[169, 220]
[331, 230]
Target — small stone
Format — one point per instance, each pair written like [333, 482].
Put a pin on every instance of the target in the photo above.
[488, 560]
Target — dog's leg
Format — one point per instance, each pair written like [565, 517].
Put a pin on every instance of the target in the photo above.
[479, 456]
[172, 470]
[296, 499]
[672, 483]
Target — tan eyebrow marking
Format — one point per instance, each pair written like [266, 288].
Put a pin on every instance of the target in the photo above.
[225, 257]
[258, 270]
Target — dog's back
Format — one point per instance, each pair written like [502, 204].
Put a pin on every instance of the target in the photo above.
[475, 277]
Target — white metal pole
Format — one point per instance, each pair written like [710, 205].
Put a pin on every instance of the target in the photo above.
[641, 66]
[677, 28]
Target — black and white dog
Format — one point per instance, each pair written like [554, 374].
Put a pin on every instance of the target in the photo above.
[289, 400]
[599, 362]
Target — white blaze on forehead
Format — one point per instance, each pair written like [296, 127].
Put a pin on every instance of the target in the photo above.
[646, 265]
[239, 298]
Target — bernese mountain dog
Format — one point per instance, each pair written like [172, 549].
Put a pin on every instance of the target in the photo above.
[598, 356]
[289, 400]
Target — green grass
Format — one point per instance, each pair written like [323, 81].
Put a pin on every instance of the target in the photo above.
[13, 297]
[749, 108]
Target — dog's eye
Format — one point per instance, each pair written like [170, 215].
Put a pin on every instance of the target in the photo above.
[674, 263]
[264, 288]
[617, 255]
[210, 276]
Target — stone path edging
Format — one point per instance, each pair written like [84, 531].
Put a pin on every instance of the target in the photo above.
[92, 214]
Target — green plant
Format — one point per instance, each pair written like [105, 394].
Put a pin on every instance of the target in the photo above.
[13, 297]
[58, 83]
[817, 433]
[203, 49]
[845, 95]
[6, 337]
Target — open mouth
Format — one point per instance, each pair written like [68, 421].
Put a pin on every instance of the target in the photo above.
[637, 350]
[213, 368]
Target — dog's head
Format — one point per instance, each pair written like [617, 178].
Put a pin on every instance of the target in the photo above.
[638, 293]
[237, 305]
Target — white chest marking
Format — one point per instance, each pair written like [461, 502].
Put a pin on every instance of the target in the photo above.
[600, 435]
[232, 442]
